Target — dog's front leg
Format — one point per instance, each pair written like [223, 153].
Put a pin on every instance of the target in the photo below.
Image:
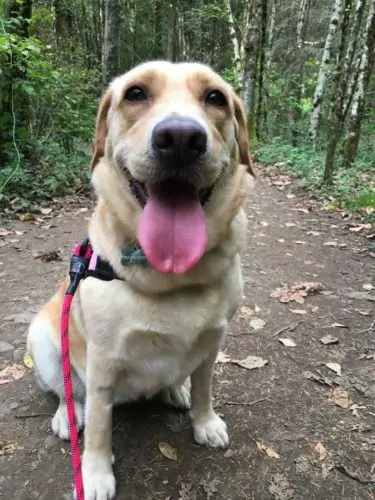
[98, 478]
[209, 428]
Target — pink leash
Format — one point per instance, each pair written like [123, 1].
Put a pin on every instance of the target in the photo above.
[77, 271]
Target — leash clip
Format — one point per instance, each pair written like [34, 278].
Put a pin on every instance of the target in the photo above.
[77, 271]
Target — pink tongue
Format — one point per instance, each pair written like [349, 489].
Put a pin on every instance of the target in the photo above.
[172, 230]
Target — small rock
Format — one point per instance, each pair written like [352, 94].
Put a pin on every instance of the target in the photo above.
[5, 347]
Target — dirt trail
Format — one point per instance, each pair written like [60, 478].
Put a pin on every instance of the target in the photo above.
[319, 428]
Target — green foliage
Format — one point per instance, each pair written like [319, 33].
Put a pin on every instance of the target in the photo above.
[353, 188]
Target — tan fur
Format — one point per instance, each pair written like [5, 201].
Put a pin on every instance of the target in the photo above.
[150, 331]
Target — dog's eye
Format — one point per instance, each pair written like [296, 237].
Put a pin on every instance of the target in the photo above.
[216, 98]
[134, 94]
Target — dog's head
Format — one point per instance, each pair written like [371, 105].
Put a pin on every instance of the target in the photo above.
[174, 132]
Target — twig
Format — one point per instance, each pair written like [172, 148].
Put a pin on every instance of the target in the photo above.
[344, 470]
[366, 329]
[290, 327]
[118, 425]
[280, 331]
[245, 403]
[34, 415]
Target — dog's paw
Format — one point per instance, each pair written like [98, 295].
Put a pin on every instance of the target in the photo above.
[98, 480]
[211, 432]
[178, 397]
[60, 423]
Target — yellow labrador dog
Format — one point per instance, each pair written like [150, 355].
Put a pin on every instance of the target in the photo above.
[171, 168]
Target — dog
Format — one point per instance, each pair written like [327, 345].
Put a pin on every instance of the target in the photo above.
[171, 170]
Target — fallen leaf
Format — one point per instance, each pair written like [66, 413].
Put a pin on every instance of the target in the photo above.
[288, 342]
[340, 397]
[12, 372]
[361, 227]
[264, 223]
[28, 360]
[326, 469]
[337, 325]
[48, 256]
[298, 311]
[314, 233]
[19, 233]
[334, 367]
[257, 323]
[246, 311]
[9, 449]
[4, 232]
[303, 210]
[269, 451]
[321, 449]
[45, 211]
[368, 287]
[328, 339]
[364, 313]
[330, 244]
[168, 451]
[222, 358]
[296, 292]
[26, 217]
[281, 240]
[257, 309]
[372, 254]
[250, 362]
[354, 409]
[290, 195]
[290, 224]
[299, 242]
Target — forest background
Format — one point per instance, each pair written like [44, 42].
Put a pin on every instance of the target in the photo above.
[304, 68]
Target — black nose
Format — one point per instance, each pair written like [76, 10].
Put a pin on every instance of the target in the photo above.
[179, 139]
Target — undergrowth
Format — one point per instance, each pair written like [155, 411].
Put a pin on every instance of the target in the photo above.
[353, 188]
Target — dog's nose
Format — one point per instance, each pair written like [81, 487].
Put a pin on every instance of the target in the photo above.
[179, 139]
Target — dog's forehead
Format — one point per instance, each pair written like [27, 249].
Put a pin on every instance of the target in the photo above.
[169, 75]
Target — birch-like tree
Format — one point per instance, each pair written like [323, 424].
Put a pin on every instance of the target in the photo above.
[324, 69]
[359, 99]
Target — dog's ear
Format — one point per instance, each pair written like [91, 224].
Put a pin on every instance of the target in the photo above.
[242, 134]
[101, 129]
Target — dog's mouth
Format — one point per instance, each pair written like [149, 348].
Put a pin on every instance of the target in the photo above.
[140, 191]
[172, 227]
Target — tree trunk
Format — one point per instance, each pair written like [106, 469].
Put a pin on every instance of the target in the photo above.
[268, 62]
[262, 52]
[335, 122]
[237, 59]
[299, 84]
[110, 46]
[359, 100]
[251, 63]
[324, 69]
[157, 50]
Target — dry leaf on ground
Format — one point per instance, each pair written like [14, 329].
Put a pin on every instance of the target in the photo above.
[361, 227]
[321, 449]
[250, 362]
[45, 211]
[12, 372]
[337, 325]
[280, 488]
[246, 311]
[288, 342]
[9, 449]
[4, 232]
[168, 451]
[257, 323]
[296, 292]
[368, 287]
[335, 367]
[28, 360]
[331, 244]
[329, 339]
[340, 397]
[298, 311]
[269, 451]
[222, 358]
[27, 217]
